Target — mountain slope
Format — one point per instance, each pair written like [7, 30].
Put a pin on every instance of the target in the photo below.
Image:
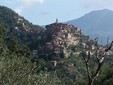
[96, 23]
[16, 25]
[11, 19]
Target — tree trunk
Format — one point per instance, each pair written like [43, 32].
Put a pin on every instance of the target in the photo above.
[91, 82]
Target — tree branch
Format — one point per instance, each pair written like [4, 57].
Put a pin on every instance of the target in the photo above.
[100, 58]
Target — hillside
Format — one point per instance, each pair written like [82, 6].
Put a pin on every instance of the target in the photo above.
[20, 27]
[12, 19]
[96, 23]
[63, 40]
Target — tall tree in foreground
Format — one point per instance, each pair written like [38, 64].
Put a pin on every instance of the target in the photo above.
[99, 55]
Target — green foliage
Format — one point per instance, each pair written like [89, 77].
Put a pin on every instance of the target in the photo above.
[12, 43]
[81, 82]
[2, 29]
[15, 47]
[16, 70]
[106, 76]
[74, 48]
[44, 66]
[3, 48]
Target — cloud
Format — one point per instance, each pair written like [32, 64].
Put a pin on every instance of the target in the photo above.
[24, 4]
[31, 2]
[18, 10]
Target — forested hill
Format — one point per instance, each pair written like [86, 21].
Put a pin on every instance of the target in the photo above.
[16, 25]
[12, 19]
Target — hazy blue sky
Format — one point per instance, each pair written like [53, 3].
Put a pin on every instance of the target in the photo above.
[46, 11]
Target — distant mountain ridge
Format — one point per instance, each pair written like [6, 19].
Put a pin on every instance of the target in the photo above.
[96, 23]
